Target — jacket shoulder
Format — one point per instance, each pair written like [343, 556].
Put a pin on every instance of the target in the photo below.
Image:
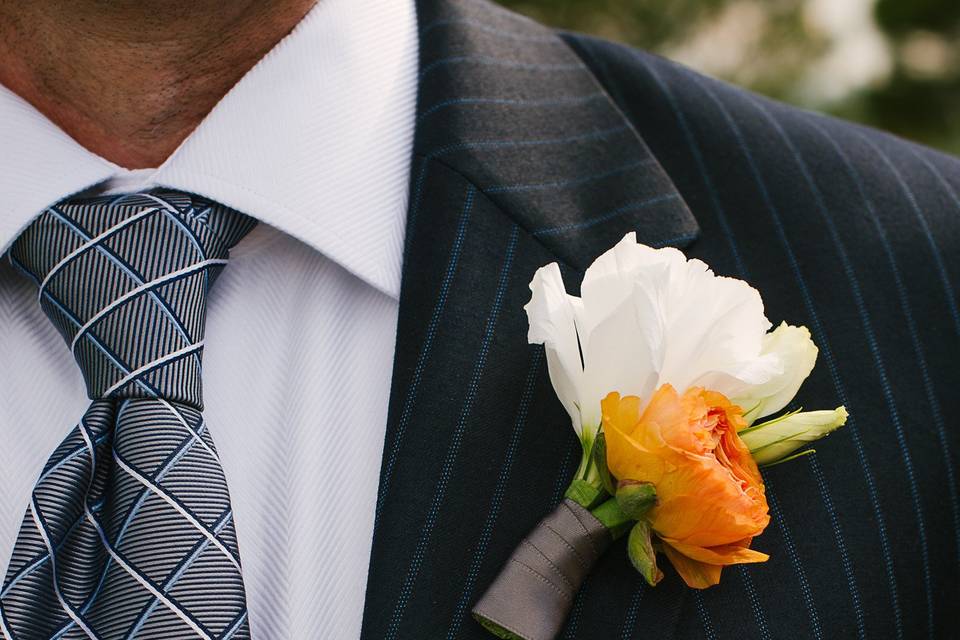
[697, 125]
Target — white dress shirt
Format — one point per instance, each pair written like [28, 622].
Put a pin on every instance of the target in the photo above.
[315, 142]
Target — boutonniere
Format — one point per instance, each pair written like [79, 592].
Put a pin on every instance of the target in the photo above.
[672, 378]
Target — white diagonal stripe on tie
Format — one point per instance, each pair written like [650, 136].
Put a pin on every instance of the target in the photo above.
[182, 420]
[160, 493]
[90, 244]
[153, 364]
[126, 322]
[144, 583]
[133, 293]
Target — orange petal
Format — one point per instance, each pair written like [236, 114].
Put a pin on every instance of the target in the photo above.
[721, 555]
[700, 504]
[697, 575]
[621, 413]
[626, 457]
[665, 414]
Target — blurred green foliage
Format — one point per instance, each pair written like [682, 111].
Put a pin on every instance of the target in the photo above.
[892, 64]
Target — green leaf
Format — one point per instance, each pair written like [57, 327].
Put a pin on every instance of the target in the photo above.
[600, 460]
[636, 498]
[642, 554]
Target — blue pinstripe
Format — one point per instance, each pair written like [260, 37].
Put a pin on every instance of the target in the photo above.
[630, 619]
[495, 502]
[744, 273]
[805, 590]
[929, 391]
[499, 62]
[536, 142]
[948, 288]
[411, 397]
[855, 287]
[680, 240]
[694, 147]
[952, 194]
[495, 173]
[606, 216]
[573, 620]
[822, 341]
[487, 28]
[845, 560]
[758, 614]
[417, 199]
[512, 102]
[565, 471]
[454, 447]
[566, 184]
[708, 631]
[870, 334]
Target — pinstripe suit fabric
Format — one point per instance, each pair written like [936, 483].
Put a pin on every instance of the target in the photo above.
[534, 146]
[129, 532]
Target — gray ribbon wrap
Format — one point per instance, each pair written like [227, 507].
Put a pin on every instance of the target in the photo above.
[533, 593]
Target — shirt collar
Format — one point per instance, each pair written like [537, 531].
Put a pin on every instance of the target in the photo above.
[315, 140]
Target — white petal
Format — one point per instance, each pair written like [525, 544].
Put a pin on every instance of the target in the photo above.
[614, 277]
[550, 313]
[716, 327]
[621, 331]
[796, 353]
[618, 358]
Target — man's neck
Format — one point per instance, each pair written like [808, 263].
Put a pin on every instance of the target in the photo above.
[130, 79]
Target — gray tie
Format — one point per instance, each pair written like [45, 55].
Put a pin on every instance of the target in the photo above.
[129, 530]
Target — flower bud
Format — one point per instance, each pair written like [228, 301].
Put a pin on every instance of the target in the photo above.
[776, 439]
[635, 498]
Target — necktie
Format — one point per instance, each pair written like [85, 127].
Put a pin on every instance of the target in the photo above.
[129, 531]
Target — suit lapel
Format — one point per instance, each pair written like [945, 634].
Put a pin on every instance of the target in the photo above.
[520, 159]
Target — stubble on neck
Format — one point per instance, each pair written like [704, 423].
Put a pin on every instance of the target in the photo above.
[130, 79]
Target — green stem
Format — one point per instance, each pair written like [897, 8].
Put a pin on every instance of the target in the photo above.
[586, 488]
[587, 471]
[613, 518]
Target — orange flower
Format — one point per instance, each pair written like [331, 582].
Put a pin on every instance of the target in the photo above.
[710, 496]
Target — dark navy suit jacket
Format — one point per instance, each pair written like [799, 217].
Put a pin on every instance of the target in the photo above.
[534, 146]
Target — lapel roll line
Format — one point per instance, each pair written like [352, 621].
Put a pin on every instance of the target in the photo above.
[520, 159]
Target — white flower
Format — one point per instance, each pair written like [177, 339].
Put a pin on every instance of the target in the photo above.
[799, 354]
[778, 438]
[647, 317]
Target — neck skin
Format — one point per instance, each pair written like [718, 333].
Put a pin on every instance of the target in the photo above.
[130, 79]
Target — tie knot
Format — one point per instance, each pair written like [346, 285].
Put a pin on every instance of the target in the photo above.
[124, 279]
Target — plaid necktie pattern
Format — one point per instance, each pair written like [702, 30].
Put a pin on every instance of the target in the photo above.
[129, 532]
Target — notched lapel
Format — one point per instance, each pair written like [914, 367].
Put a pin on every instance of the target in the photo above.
[520, 159]
[509, 105]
